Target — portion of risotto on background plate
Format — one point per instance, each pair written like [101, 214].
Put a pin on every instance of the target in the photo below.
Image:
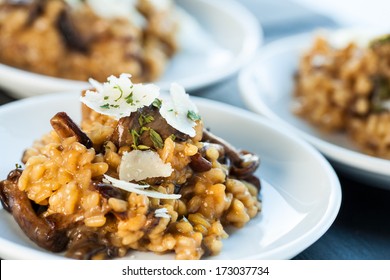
[347, 88]
[77, 39]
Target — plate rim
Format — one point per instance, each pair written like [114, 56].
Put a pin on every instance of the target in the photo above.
[256, 104]
[242, 16]
[286, 251]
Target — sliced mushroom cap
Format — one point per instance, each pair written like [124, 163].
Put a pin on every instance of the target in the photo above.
[46, 232]
[108, 190]
[247, 165]
[87, 243]
[199, 163]
[138, 126]
[66, 127]
[242, 163]
[72, 37]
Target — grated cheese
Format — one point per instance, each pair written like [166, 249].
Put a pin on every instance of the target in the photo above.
[162, 213]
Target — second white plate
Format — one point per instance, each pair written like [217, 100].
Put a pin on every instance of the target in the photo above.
[266, 86]
[218, 37]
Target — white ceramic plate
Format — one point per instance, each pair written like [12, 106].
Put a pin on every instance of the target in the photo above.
[301, 193]
[266, 86]
[351, 12]
[218, 37]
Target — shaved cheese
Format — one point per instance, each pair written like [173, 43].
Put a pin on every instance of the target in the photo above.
[135, 188]
[119, 97]
[162, 213]
[179, 110]
[107, 179]
[98, 86]
[139, 165]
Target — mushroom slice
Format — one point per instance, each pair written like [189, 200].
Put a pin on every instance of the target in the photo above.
[65, 127]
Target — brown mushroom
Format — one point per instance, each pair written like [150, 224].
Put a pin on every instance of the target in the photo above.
[199, 163]
[108, 190]
[87, 243]
[46, 232]
[242, 163]
[137, 129]
[72, 37]
[65, 127]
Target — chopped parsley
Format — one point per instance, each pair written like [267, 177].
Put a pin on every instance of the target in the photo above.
[121, 91]
[129, 99]
[105, 106]
[145, 119]
[143, 147]
[157, 103]
[156, 139]
[135, 136]
[193, 116]
[143, 129]
[18, 166]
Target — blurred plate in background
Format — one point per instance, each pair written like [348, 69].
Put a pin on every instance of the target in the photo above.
[266, 87]
[361, 13]
[217, 38]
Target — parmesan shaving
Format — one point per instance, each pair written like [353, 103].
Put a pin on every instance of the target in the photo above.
[162, 213]
[119, 97]
[138, 189]
[139, 165]
[177, 110]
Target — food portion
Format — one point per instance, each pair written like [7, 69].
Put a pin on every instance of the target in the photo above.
[347, 89]
[141, 173]
[77, 39]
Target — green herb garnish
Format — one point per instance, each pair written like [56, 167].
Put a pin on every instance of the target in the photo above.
[135, 136]
[156, 139]
[105, 106]
[18, 166]
[129, 99]
[145, 119]
[193, 116]
[121, 91]
[143, 147]
[143, 129]
[157, 103]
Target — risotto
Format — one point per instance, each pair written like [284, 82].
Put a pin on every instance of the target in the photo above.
[77, 39]
[347, 89]
[140, 173]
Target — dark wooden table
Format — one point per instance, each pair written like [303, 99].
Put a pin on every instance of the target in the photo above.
[362, 228]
